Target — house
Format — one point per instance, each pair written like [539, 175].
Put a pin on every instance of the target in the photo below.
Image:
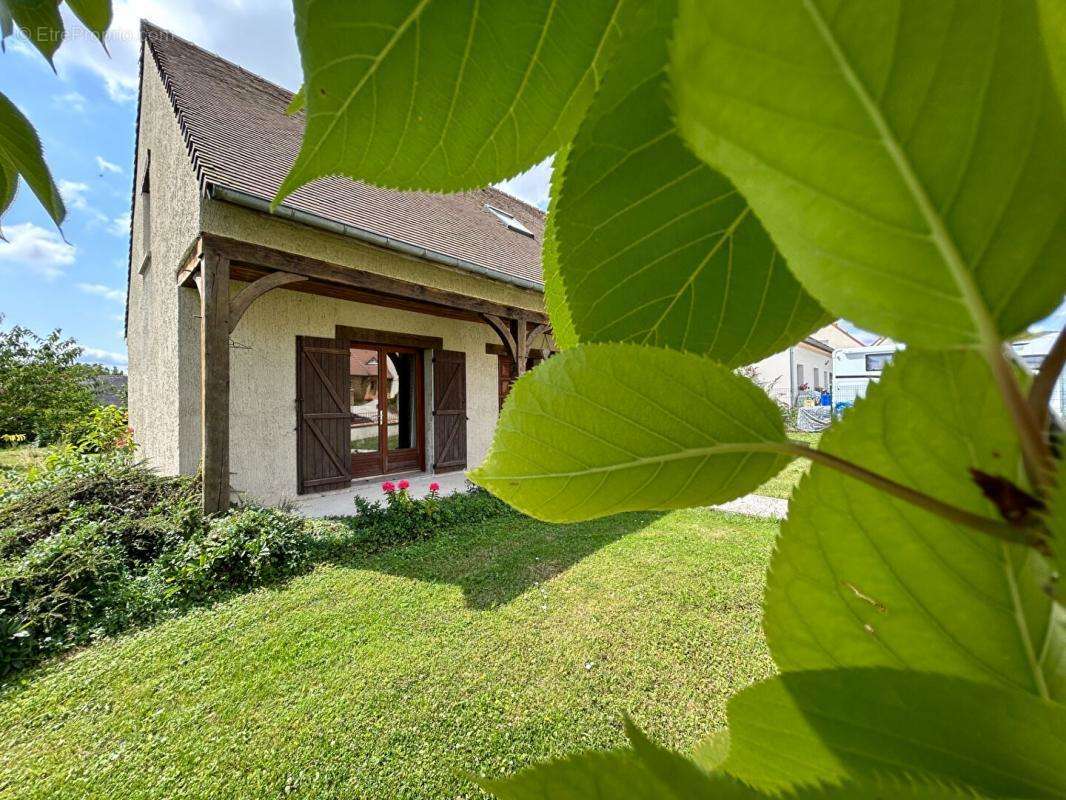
[836, 337]
[803, 368]
[1032, 350]
[354, 332]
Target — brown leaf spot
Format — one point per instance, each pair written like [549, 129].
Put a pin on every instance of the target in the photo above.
[1014, 504]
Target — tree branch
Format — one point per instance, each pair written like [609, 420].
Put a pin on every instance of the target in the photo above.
[1015, 534]
[1044, 382]
[1036, 453]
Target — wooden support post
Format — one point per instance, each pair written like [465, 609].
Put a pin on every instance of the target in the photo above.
[213, 282]
[521, 349]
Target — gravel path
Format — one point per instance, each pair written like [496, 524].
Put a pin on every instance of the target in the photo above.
[756, 505]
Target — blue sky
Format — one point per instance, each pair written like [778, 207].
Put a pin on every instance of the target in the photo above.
[85, 116]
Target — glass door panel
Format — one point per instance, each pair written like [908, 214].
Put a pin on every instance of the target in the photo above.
[364, 389]
[402, 404]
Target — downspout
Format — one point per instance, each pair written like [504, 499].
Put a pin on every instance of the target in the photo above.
[239, 198]
[792, 377]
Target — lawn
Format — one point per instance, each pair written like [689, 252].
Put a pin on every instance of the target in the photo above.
[782, 484]
[21, 458]
[393, 675]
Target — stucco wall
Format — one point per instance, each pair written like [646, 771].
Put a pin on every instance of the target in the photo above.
[163, 338]
[810, 359]
[772, 374]
[263, 381]
[240, 223]
[163, 320]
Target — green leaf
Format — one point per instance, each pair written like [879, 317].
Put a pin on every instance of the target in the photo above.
[40, 22]
[94, 15]
[555, 302]
[653, 773]
[417, 94]
[8, 184]
[7, 26]
[654, 246]
[861, 579]
[1053, 28]
[20, 154]
[905, 157]
[837, 725]
[590, 433]
[298, 102]
[587, 775]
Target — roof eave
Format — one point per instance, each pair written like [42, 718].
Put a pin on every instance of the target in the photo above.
[238, 197]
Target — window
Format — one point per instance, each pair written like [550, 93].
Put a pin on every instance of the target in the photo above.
[146, 214]
[799, 375]
[875, 362]
[509, 220]
[816, 383]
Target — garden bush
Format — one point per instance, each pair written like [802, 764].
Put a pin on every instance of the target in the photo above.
[93, 544]
[403, 518]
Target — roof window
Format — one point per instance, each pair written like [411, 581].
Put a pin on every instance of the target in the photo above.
[509, 220]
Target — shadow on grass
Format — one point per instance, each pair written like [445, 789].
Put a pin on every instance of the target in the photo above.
[494, 562]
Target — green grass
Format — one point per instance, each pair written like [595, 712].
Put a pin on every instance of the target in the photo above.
[21, 458]
[393, 675]
[782, 484]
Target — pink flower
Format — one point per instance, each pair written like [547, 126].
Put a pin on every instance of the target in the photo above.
[388, 487]
[404, 485]
[434, 487]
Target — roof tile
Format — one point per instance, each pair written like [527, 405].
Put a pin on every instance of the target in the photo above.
[240, 138]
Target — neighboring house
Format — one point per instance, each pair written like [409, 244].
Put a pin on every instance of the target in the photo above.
[357, 331]
[802, 368]
[110, 389]
[836, 337]
[1033, 352]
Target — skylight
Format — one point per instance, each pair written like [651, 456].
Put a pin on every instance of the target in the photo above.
[509, 220]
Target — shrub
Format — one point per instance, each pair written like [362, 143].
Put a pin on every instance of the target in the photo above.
[91, 545]
[246, 548]
[105, 429]
[403, 518]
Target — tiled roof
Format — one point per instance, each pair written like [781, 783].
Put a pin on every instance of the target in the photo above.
[240, 138]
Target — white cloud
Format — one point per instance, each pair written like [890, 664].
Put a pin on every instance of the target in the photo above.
[258, 36]
[533, 185]
[41, 251]
[72, 101]
[106, 166]
[106, 292]
[96, 355]
[120, 225]
[73, 193]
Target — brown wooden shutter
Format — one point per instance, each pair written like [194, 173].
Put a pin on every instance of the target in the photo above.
[323, 413]
[449, 410]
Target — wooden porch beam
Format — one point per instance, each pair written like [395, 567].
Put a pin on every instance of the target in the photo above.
[254, 255]
[253, 291]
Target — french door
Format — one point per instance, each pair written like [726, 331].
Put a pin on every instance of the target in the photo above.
[387, 407]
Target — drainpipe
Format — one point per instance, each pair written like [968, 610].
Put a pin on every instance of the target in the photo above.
[246, 200]
[792, 377]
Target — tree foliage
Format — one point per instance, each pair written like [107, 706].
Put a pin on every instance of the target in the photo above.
[730, 176]
[44, 391]
[40, 22]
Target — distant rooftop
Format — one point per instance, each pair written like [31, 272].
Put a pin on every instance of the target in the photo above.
[241, 139]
